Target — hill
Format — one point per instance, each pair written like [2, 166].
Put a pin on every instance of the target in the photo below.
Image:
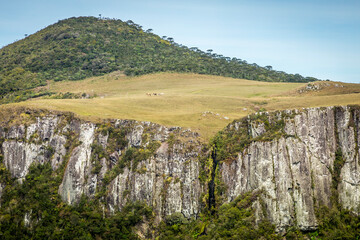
[77, 48]
[203, 103]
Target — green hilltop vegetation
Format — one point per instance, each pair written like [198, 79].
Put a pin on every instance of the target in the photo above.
[77, 48]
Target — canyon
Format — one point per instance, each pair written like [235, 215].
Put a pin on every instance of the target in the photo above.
[297, 160]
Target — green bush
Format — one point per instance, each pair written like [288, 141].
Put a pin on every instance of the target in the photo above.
[50, 218]
[234, 220]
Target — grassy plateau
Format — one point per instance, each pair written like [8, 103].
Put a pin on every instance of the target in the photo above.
[203, 103]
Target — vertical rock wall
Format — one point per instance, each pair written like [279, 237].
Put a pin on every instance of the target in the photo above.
[169, 184]
[166, 179]
[35, 143]
[294, 171]
[349, 142]
[77, 178]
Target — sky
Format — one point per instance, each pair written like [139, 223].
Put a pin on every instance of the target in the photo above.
[315, 38]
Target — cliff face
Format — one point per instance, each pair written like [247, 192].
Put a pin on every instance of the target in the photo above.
[295, 171]
[36, 142]
[170, 183]
[159, 169]
[297, 160]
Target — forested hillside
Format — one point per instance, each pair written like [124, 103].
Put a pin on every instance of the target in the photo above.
[77, 48]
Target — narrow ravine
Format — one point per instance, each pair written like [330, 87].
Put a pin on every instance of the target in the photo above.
[212, 199]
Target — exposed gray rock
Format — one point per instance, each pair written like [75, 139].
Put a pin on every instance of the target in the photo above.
[47, 146]
[257, 129]
[104, 169]
[27, 219]
[31, 130]
[114, 157]
[295, 173]
[135, 137]
[78, 179]
[46, 127]
[349, 141]
[18, 156]
[102, 140]
[57, 144]
[169, 182]
[16, 132]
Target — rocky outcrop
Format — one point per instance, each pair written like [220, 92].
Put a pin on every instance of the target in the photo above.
[349, 142]
[294, 159]
[168, 180]
[169, 183]
[35, 143]
[165, 177]
[78, 179]
[295, 170]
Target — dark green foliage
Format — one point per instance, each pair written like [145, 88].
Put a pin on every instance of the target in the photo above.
[19, 96]
[204, 164]
[118, 140]
[97, 153]
[51, 219]
[136, 155]
[77, 48]
[67, 95]
[337, 223]
[232, 140]
[234, 220]
[274, 126]
[23, 95]
[336, 171]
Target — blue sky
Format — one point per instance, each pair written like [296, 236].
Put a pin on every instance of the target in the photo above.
[314, 38]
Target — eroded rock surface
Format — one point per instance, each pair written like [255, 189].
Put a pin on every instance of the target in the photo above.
[170, 183]
[123, 161]
[78, 179]
[166, 178]
[40, 144]
[294, 171]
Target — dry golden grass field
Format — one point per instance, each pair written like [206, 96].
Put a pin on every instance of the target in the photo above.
[201, 102]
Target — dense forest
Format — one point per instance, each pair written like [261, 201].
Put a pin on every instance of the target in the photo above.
[77, 48]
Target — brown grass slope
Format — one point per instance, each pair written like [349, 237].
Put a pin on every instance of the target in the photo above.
[203, 103]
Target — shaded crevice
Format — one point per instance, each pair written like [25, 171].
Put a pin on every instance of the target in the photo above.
[212, 198]
[339, 161]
